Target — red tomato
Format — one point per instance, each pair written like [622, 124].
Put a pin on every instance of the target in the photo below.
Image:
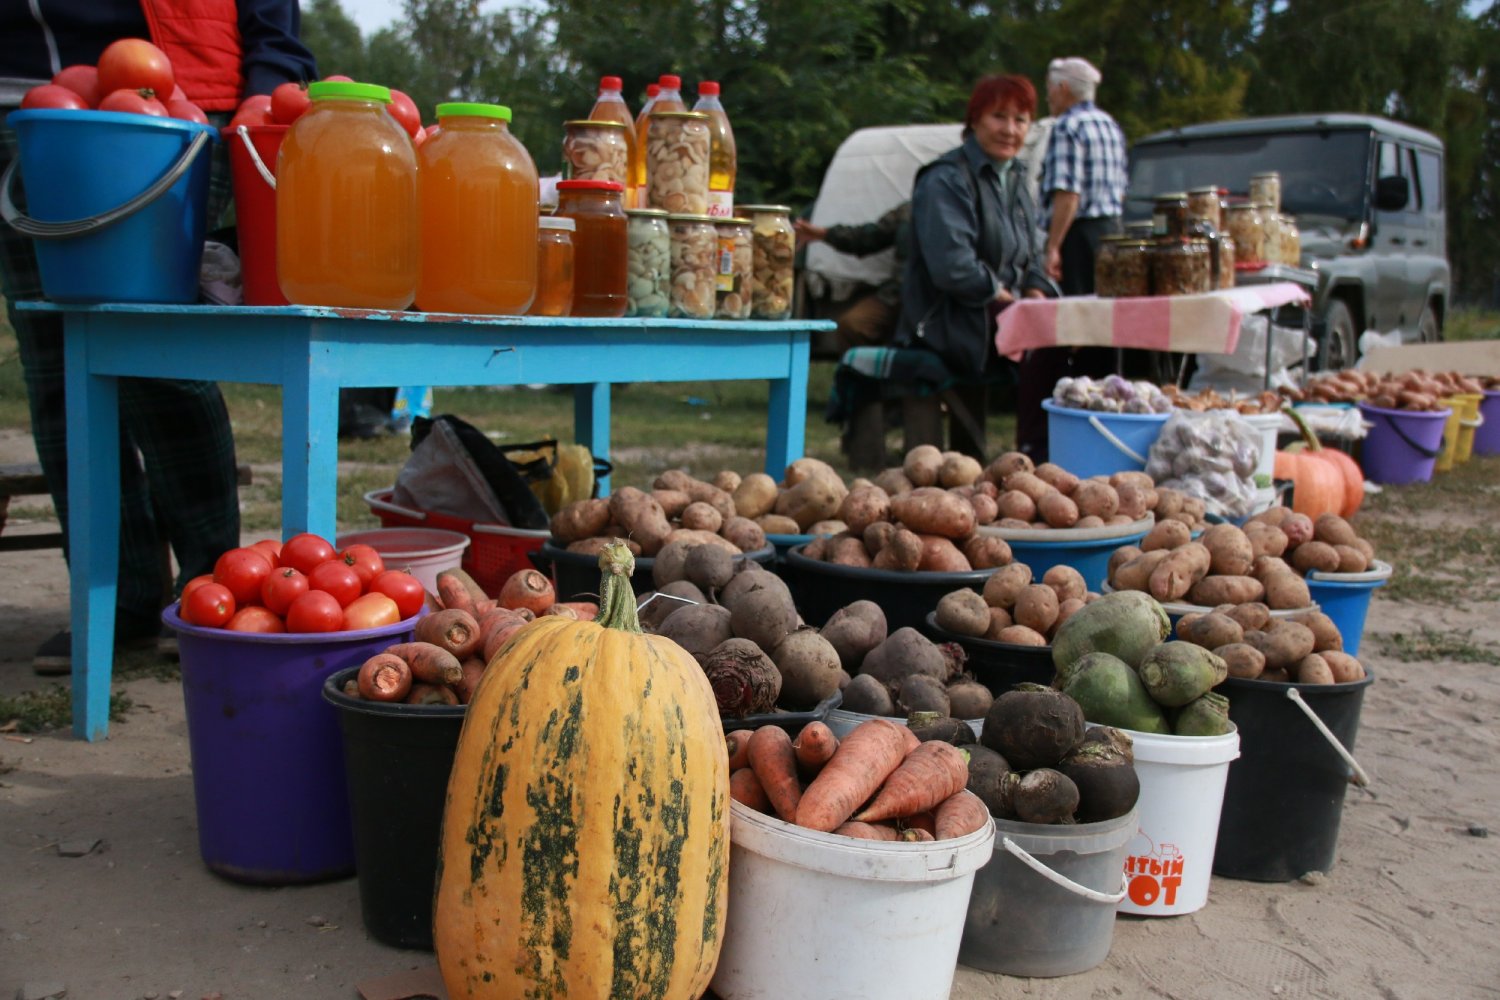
[51, 95]
[270, 548]
[366, 562]
[255, 102]
[370, 611]
[187, 111]
[288, 101]
[243, 570]
[81, 80]
[403, 588]
[134, 102]
[282, 587]
[251, 117]
[178, 94]
[338, 78]
[211, 605]
[256, 619]
[305, 551]
[315, 611]
[338, 578]
[195, 583]
[135, 64]
[404, 110]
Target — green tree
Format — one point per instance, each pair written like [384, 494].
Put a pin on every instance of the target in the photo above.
[334, 39]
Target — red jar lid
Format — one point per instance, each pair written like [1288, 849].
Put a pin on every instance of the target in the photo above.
[590, 186]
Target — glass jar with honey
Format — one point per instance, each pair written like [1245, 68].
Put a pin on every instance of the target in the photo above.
[600, 245]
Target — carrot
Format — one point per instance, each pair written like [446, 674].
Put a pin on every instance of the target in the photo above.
[920, 821]
[454, 595]
[912, 739]
[864, 759]
[775, 764]
[868, 831]
[384, 677]
[929, 774]
[453, 629]
[429, 664]
[959, 815]
[473, 669]
[431, 694]
[814, 745]
[914, 835]
[476, 592]
[745, 787]
[738, 743]
[500, 636]
[529, 589]
[485, 606]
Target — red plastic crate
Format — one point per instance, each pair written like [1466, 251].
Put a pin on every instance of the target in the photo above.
[495, 552]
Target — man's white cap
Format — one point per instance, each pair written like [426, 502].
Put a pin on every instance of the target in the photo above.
[1075, 68]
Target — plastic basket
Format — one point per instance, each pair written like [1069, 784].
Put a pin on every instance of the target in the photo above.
[495, 552]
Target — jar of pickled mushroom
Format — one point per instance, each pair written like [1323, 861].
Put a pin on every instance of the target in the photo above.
[773, 248]
[695, 266]
[735, 267]
[677, 151]
[596, 151]
[650, 263]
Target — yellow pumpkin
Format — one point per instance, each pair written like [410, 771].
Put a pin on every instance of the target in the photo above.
[585, 846]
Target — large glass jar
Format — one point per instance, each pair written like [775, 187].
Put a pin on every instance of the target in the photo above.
[554, 267]
[596, 151]
[695, 266]
[677, 151]
[1122, 267]
[1266, 188]
[1247, 228]
[343, 156]
[1225, 250]
[1169, 215]
[774, 245]
[1271, 220]
[1291, 242]
[650, 263]
[599, 245]
[735, 266]
[1203, 206]
[478, 200]
[1181, 267]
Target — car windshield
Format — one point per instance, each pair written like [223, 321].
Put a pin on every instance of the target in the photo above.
[1322, 173]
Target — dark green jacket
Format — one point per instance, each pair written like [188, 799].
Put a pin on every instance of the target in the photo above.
[893, 229]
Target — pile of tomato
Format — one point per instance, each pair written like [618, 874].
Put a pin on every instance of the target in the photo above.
[132, 76]
[289, 101]
[301, 585]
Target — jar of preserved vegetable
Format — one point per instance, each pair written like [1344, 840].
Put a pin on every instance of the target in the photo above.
[1169, 215]
[1122, 267]
[1143, 230]
[695, 266]
[774, 245]
[1271, 220]
[596, 151]
[736, 263]
[1225, 249]
[1266, 188]
[1181, 267]
[554, 267]
[1247, 228]
[650, 263]
[1291, 242]
[599, 245]
[1203, 206]
[677, 150]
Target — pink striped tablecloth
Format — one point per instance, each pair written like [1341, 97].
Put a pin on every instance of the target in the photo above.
[1192, 324]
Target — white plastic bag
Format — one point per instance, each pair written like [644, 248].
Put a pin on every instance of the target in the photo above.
[1210, 455]
[1244, 371]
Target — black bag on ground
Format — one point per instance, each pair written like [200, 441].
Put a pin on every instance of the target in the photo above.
[455, 469]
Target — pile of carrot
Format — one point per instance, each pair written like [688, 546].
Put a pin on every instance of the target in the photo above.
[879, 783]
[460, 633]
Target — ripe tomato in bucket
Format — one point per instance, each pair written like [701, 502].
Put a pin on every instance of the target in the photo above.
[135, 64]
[81, 80]
[51, 95]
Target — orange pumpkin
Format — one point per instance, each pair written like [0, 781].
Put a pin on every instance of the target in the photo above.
[1326, 481]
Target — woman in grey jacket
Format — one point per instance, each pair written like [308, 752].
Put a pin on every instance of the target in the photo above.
[974, 252]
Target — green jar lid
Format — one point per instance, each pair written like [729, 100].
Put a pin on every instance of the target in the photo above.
[336, 89]
[763, 208]
[469, 109]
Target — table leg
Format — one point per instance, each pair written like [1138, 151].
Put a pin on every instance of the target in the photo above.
[93, 529]
[786, 423]
[591, 422]
[309, 448]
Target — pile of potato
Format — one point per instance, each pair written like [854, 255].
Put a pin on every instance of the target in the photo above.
[1226, 565]
[1049, 496]
[1329, 545]
[1303, 649]
[1014, 609]
[678, 508]
[1413, 390]
[1209, 399]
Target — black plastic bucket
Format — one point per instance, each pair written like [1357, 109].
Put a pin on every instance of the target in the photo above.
[397, 758]
[577, 573]
[821, 588]
[1285, 794]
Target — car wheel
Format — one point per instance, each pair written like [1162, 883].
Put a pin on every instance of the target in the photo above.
[1429, 330]
[1340, 348]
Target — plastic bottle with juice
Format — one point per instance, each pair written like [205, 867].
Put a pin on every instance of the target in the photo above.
[721, 155]
[668, 98]
[610, 106]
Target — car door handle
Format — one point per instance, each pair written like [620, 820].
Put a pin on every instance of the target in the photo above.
[1419, 243]
[1396, 241]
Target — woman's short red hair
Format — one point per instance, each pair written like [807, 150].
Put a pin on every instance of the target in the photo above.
[1010, 91]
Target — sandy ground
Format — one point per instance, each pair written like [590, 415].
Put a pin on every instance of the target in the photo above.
[1408, 912]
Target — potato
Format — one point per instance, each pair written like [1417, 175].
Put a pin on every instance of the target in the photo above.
[580, 519]
[1265, 539]
[1089, 521]
[673, 502]
[755, 495]
[863, 507]
[1166, 535]
[1012, 523]
[1020, 635]
[1057, 510]
[1272, 516]
[1139, 480]
[1325, 633]
[1004, 586]
[744, 533]
[1187, 620]
[1066, 582]
[1215, 590]
[931, 511]
[727, 480]
[1036, 607]
[832, 526]
[1265, 566]
[1351, 559]
[1017, 505]
[877, 536]
[1250, 615]
[940, 555]
[1313, 669]
[854, 630]
[1334, 530]
[697, 489]
[777, 524]
[986, 508]
[1096, 499]
[1366, 547]
[1298, 528]
[963, 611]
[813, 499]
[698, 537]
[1131, 500]
[1229, 550]
[1028, 483]
[1120, 557]
[1000, 620]
[1288, 643]
[1007, 464]
[1211, 631]
[902, 552]
[1057, 477]
[922, 465]
[1178, 573]
[1315, 555]
[1169, 503]
[958, 470]
[641, 517]
[847, 550]
[1285, 591]
[702, 517]
[1244, 660]
[894, 481]
[1065, 610]
[1136, 574]
[1345, 667]
[817, 548]
[987, 552]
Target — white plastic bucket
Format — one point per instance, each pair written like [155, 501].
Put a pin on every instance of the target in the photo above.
[1168, 864]
[422, 552]
[821, 915]
[1269, 425]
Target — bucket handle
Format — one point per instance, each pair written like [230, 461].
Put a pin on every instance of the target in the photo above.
[1361, 777]
[260, 165]
[1420, 449]
[1109, 436]
[39, 230]
[1476, 423]
[1062, 881]
[377, 503]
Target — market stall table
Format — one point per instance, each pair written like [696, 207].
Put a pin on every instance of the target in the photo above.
[312, 352]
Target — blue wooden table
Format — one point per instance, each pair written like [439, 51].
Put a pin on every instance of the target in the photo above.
[312, 352]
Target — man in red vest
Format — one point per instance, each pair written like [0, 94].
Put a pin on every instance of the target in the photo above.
[221, 51]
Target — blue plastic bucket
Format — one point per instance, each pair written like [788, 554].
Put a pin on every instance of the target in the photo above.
[1403, 445]
[1092, 443]
[117, 203]
[1345, 597]
[1089, 556]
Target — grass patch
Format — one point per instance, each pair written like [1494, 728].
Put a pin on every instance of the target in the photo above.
[1429, 645]
[1472, 324]
[50, 708]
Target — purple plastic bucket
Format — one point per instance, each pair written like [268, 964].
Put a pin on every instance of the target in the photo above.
[1403, 445]
[268, 759]
[1487, 436]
